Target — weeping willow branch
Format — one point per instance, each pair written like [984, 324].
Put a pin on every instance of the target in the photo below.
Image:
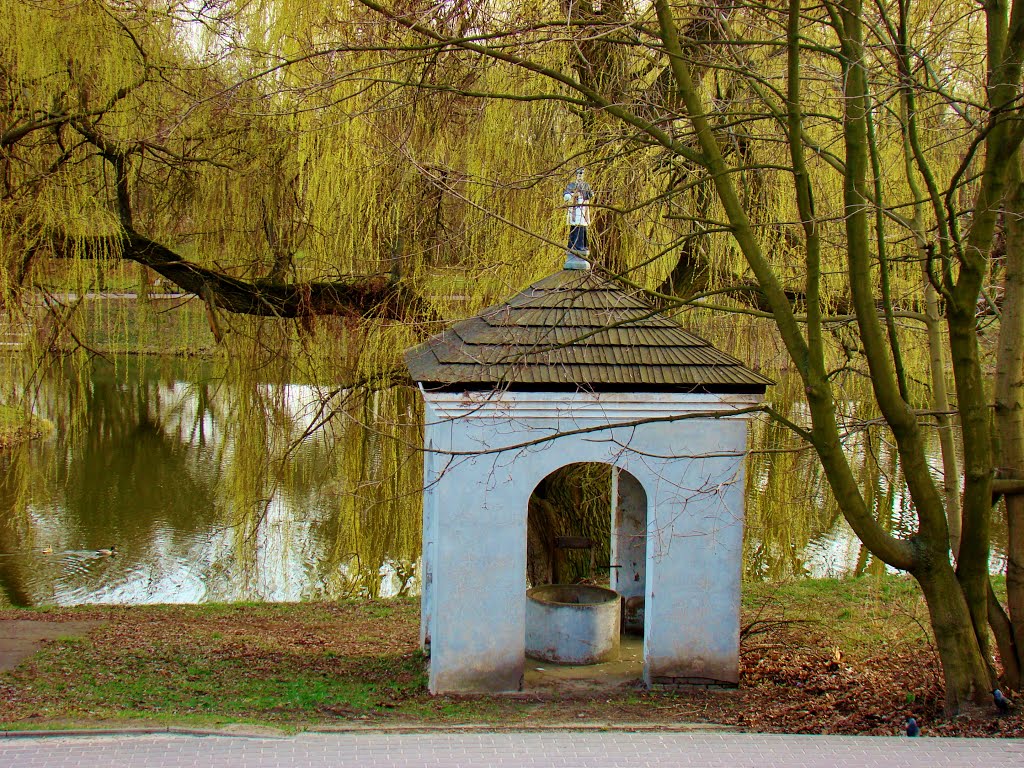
[365, 296]
[375, 296]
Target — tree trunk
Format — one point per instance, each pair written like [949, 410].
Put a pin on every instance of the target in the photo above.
[378, 296]
[1009, 416]
[541, 529]
[975, 548]
[963, 666]
[940, 404]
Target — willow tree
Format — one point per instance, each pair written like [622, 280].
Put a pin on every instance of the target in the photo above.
[175, 138]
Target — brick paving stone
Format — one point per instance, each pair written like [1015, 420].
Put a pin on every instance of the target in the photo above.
[507, 750]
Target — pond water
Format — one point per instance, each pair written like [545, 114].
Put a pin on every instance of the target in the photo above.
[198, 485]
[212, 489]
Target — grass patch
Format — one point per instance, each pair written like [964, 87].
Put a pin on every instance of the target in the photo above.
[266, 663]
[862, 615]
[847, 656]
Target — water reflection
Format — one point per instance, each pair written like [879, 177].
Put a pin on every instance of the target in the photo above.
[213, 485]
[794, 526]
[206, 489]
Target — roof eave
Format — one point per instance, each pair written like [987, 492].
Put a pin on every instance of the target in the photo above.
[489, 386]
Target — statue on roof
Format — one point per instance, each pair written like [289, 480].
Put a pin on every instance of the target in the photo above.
[577, 196]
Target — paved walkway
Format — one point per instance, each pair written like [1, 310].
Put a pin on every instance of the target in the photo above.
[558, 748]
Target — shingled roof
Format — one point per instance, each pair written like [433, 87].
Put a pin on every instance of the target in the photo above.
[577, 330]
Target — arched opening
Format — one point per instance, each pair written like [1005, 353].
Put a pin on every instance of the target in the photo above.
[568, 526]
[586, 530]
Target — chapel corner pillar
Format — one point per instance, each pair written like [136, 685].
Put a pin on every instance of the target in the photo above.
[478, 605]
[695, 565]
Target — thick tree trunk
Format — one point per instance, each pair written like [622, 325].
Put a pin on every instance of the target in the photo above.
[975, 419]
[963, 665]
[1002, 631]
[957, 603]
[541, 529]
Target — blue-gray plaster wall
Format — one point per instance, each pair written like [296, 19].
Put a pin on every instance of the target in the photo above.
[485, 455]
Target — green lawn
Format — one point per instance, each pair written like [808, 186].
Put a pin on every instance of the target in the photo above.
[850, 656]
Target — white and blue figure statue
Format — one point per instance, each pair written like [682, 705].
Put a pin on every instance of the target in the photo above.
[578, 195]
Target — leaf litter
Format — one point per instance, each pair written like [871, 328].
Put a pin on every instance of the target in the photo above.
[317, 664]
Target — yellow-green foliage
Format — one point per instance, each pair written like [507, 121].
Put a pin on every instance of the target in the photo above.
[305, 140]
[297, 140]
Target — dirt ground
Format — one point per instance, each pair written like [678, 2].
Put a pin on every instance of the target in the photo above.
[20, 639]
[324, 665]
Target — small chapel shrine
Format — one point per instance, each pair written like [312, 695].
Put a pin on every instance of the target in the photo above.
[580, 368]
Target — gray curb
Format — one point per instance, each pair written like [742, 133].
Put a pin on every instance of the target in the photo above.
[143, 731]
[241, 733]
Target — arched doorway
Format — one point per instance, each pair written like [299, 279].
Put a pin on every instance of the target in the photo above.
[568, 526]
[587, 526]
[587, 521]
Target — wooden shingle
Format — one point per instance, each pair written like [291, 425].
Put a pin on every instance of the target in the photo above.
[577, 330]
